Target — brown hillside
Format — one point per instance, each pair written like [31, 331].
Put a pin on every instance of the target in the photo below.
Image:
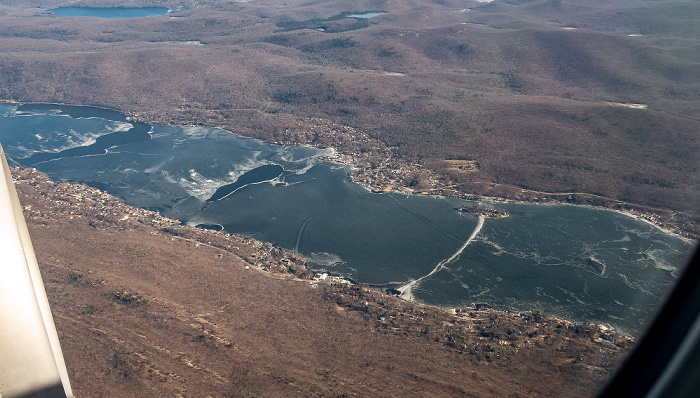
[521, 87]
[145, 307]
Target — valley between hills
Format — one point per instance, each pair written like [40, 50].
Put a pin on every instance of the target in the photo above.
[145, 306]
[583, 102]
[586, 102]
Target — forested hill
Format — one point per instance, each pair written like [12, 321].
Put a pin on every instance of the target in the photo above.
[581, 96]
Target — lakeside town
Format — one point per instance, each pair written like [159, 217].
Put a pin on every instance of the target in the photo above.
[380, 168]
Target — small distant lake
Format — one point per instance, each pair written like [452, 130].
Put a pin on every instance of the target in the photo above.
[110, 12]
[366, 15]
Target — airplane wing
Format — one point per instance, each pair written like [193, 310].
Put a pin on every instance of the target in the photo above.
[31, 361]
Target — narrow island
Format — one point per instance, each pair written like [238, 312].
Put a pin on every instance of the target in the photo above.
[484, 210]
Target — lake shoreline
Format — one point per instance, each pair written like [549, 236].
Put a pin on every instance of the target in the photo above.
[265, 258]
[488, 276]
[655, 218]
[387, 175]
[87, 286]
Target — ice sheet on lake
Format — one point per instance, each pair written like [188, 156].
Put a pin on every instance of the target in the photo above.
[407, 289]
[547, 257]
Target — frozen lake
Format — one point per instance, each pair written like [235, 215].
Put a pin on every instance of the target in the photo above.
[578, 263]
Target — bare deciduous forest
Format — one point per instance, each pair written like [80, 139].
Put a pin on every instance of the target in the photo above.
[534, 91]
[592, 102]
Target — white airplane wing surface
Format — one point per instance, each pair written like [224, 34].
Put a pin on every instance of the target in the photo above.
[31, 362]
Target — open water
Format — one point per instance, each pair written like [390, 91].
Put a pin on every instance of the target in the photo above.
[578, 263]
